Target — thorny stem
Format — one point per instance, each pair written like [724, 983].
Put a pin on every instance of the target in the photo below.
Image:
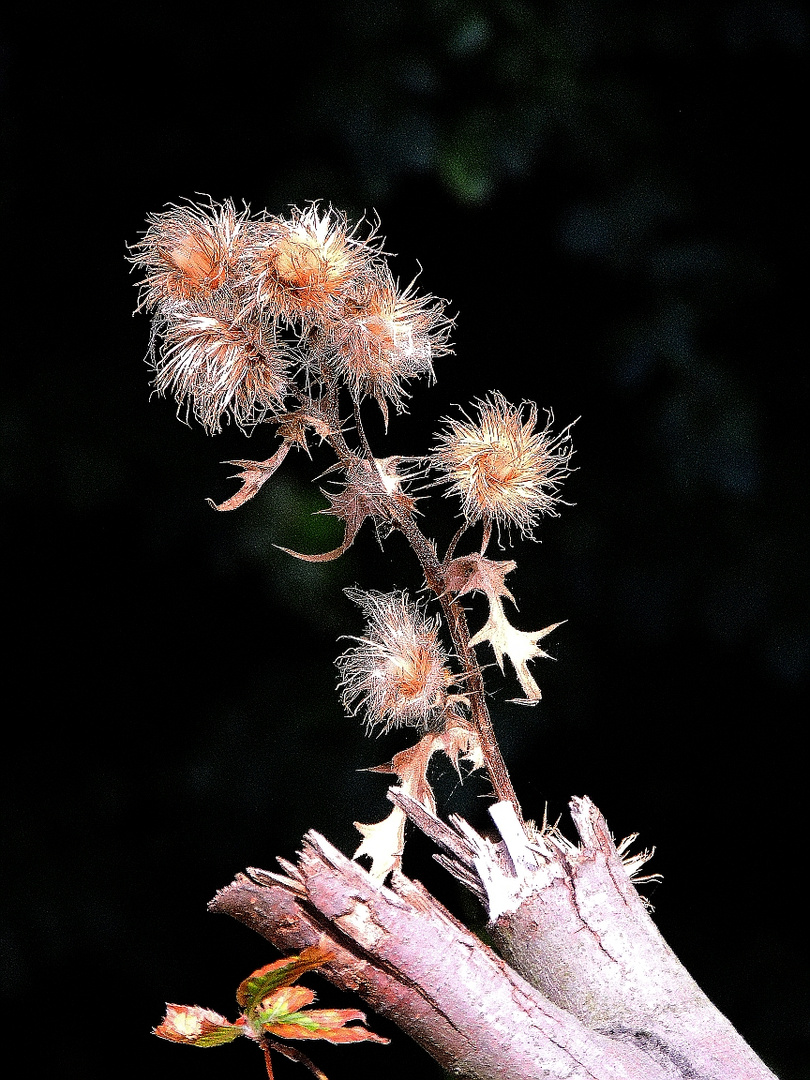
[485, 539]
[331, 411]
[454, 615]
[361, 431]
[451, 547]
[459, 631]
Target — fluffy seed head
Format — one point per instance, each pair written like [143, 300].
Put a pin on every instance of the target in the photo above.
[385, 337]
[216, 367]
[189, 251]
[504, 471]
[397, 672]
[298, 268]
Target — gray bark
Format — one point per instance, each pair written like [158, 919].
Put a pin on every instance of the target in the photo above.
[569, 919]
[590, 990]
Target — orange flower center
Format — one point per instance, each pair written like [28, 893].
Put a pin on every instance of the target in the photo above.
[498, 465]
[303, 263]
[197, 264]
[407, 678]
[381, 331]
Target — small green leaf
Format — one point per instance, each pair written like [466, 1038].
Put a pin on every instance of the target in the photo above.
[327, 1024]
[256, 987]
[287, 1001]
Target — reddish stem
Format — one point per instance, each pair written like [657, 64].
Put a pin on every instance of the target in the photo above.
[454, 614]
[460, 633]
[268, 1064]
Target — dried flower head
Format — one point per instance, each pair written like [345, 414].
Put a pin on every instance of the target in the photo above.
[298, 268]
[397, 672]
[217, 367]
[504, 471]
[189, 251]
[385, 337]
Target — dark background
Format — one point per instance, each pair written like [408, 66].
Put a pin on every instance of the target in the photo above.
[610, 195]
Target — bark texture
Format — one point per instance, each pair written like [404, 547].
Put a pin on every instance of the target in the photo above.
[590, 989]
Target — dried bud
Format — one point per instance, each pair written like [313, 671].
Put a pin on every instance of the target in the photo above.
[397, 672]
[297, 269]
[189, 251]
[385, 337]
[214, 366]
[504, 471]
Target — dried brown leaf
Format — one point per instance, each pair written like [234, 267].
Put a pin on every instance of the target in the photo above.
[474, 573]
[370, 491]
[383, 841]
[253, 475]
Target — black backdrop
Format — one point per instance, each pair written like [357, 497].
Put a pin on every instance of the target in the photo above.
[609, 193]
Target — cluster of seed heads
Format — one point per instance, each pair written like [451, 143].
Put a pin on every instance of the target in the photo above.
[263, 317]
[248, 310]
